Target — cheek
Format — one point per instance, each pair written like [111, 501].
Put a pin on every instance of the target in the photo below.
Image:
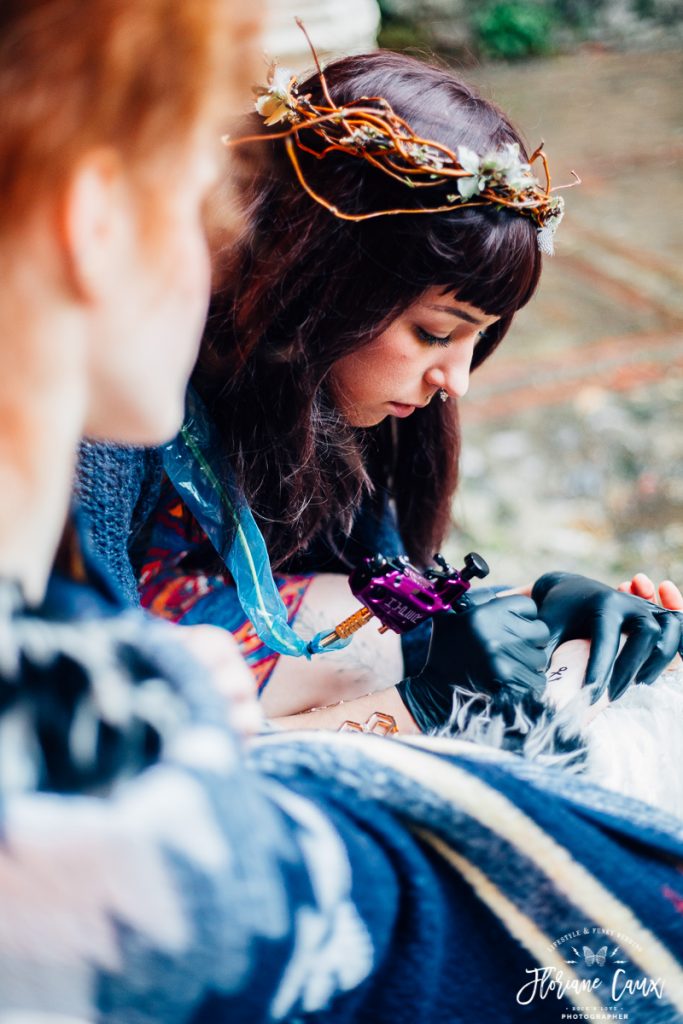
[379, 372]
[180, 302]
[172, 314]
[363, 384]
[353, 383]
[188, 282]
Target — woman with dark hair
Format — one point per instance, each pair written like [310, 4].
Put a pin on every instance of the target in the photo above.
[312, 298]
[353, 311]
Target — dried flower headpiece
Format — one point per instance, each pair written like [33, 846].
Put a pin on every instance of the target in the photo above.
[369, 129]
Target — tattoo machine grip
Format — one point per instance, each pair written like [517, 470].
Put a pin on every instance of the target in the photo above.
[401, 597]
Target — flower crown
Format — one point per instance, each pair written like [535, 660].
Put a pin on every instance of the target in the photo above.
[369, 129]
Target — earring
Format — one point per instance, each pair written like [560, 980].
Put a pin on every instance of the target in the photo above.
[443, 394]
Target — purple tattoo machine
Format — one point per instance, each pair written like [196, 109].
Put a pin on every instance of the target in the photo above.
[401, 597]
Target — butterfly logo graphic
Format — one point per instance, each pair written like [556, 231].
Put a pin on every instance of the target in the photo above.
[595, 959]
[592, 958]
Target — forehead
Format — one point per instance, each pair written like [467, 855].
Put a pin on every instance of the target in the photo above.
[446, 303]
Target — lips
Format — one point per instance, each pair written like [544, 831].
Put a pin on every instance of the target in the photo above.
[401, 409]
[411, 405]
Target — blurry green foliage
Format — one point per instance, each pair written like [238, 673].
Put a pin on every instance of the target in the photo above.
[578, 13]
[666, 12]
[397, 33]
[513, 29]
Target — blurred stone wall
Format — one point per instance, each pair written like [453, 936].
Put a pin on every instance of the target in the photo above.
[336, 27]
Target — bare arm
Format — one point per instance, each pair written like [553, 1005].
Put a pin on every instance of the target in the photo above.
[371, 662]
[359, 710]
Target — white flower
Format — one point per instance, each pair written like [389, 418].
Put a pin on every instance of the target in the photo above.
[502, 168]
[505, 168]
[272, 109]
[469, 187]
[281, 83]
[469, 161]
[277, 102]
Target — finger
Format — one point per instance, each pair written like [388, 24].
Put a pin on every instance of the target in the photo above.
[520, 605]
[642, 586]
[670, 596]
[665, 650]
[528, 656]
[533, 632]
[246, 719]
[482, 595]
[644, 634]
[605, 640]
[625, 587]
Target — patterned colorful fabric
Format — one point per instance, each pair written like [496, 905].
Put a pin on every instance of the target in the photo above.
[170, 590]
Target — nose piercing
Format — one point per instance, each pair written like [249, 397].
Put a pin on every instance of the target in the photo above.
[443, 394]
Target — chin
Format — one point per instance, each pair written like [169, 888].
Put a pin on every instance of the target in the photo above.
[368, 420]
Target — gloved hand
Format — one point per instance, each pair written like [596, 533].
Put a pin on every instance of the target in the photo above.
[498, 648]
[575, 607]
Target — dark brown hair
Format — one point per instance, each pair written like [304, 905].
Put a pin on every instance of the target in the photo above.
[306, 288]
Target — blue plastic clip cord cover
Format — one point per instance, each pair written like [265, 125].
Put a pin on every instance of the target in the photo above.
[222, 512]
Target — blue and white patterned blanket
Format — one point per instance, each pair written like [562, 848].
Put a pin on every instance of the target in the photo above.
[316, 877]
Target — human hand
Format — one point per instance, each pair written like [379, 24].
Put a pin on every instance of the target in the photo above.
[217, 650]
[642, 586]
[575, 607]
[497, 648]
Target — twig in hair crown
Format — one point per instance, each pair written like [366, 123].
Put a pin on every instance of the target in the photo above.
[369, 129]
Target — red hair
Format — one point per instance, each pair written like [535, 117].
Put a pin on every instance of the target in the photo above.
[134, 74]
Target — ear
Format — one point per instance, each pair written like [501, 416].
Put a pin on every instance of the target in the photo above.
[94, 223]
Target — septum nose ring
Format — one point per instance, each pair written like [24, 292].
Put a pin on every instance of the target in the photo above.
[443, 394]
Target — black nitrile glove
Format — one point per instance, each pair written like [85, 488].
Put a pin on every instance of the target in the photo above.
[497, 648]
[575, 607]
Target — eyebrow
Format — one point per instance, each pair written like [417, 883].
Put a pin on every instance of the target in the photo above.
[461, 315]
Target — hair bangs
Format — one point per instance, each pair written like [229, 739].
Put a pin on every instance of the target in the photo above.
[488, 258]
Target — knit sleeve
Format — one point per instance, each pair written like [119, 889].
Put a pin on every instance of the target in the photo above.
[117, 487]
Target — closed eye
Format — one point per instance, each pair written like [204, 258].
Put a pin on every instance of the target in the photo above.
[432, 339]
[436, 339]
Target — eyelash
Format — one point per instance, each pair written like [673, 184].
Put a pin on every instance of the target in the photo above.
[433, 339]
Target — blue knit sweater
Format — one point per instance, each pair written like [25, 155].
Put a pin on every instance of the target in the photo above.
[118, 488]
